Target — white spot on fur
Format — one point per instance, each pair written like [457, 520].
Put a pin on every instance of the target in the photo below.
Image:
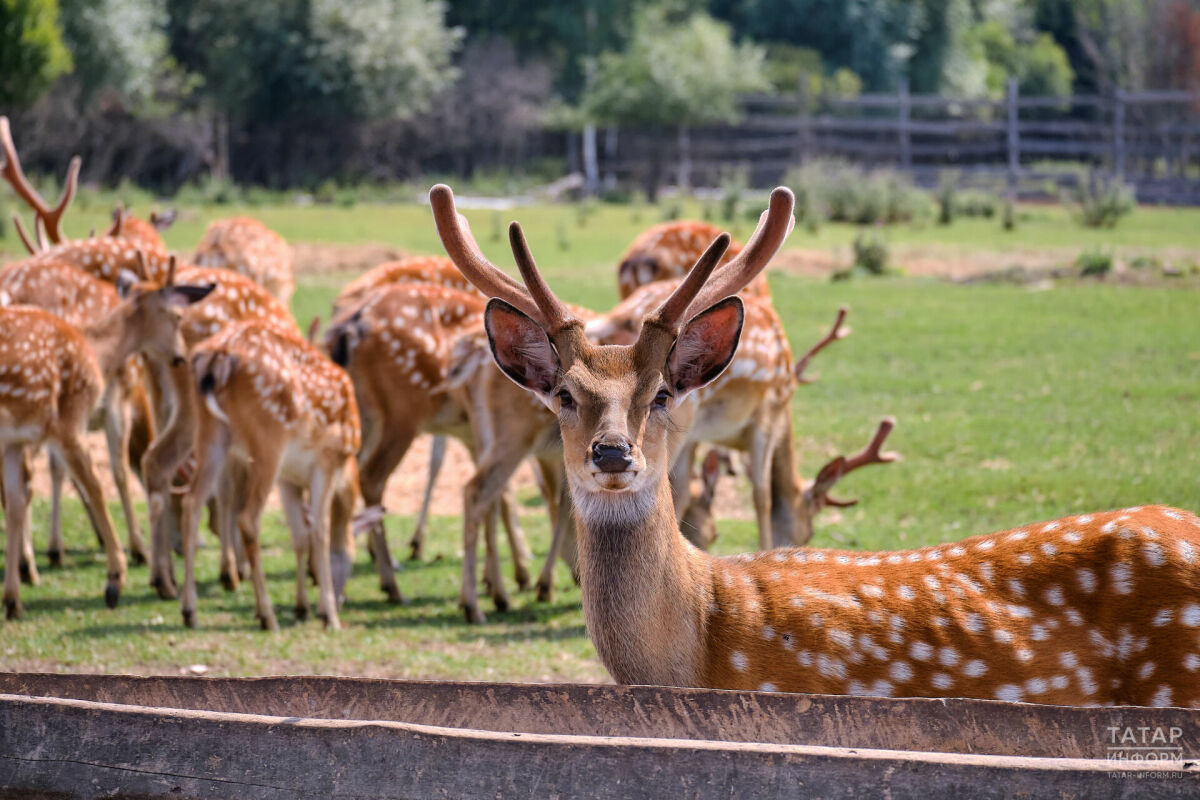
[900, 671]
[1009, 693]
[1122, 578]
[739, 661]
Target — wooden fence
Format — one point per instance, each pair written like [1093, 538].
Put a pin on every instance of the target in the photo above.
[1027, 144]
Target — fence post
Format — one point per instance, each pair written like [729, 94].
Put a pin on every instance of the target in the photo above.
[802, 119]
[905, 110]
[1014, 139]
[1119, 134]
[591, 166]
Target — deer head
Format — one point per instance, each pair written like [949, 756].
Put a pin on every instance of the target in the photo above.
[614, 403]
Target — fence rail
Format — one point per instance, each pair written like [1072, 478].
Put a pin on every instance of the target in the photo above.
[1150, 139]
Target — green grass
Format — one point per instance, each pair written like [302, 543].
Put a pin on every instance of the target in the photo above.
[1013, 405]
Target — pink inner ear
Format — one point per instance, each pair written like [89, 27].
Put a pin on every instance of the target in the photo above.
[521, 348]
[706, 345]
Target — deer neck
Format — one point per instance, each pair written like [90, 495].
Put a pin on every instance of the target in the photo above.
[109, 342]
[644, 599]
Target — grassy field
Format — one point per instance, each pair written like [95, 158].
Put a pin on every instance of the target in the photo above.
[1013, 405]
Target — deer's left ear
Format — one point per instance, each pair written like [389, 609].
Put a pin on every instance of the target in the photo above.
[705, 346]
[521, 348]
[184, 294]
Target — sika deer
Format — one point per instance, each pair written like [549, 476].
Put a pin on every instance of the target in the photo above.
[53, 378]
[668, 250]
[248, 247]
[1091, 609]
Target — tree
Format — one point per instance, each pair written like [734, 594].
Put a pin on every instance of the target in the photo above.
[676, 72]
[32, 54]
[117, 45]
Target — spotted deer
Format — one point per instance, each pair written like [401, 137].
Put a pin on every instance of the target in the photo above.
[235, 299]
[248, 247]
[278, 400]
[1090, 609]
[81, 300]
[53, 375]
[667, 251]
[106, 257]
[397, 347]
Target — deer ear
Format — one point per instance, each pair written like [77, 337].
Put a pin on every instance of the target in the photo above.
[705, 346]
[126, 279]
[184, 294]
[521, 348]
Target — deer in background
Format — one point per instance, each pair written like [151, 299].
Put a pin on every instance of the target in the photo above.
[248, 247]
[1091, 609]
[81, 299]
[53, 377]
[279, 400]
[667, 251]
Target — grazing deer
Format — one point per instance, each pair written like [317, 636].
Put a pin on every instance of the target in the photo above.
[397, 347]
[248, 247]
[667, 251]
[82, 299]
[235, 298]
[1085, 610]
[53, 375]
[291, 411]
[144, 234]
[103, 256]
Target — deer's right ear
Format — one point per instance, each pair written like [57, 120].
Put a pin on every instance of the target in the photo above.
[705, 346]
[521, 348]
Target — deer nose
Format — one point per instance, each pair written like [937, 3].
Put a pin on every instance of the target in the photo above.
[611, 457]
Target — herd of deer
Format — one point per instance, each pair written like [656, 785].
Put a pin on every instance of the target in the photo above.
[207, 389]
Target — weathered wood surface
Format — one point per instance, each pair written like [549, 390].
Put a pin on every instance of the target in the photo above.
[94, 736]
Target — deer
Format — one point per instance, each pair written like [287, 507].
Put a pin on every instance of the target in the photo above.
[292, 412]
[667, 251]
[436, 271]
[236, 298]
[106, 257]
[82, 299]
[53, 377]
[397, 347]
[1089, 609]
[248, 247]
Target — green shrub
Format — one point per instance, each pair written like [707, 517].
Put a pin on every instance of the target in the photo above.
[1010, 214]
[671, 210]
[871, 254]
[837, 191]
[734, 183]
[1101, 200]
[1145, 262]
[1094, 263]
[977, 203]
[947, 197]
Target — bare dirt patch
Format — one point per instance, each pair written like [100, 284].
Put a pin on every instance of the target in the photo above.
[312, 258]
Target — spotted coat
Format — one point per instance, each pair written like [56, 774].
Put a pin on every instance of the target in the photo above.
[667, 251]
[248, 247]
[75, 296]
[436, 270]
[1096, 609]
[236, 298]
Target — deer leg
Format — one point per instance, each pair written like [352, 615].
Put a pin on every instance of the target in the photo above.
[56, 549]
[116, 436]
[212, 450]
[681, 479]
[292, 499]
[562, 520]
[257, 490]
[320, 496]
[437, 456]
[492, 574]
[761, 447]
[521, 554]
[16, 508]
[84, 475]
[373, 474]
[785, 493]
[479, 495]
[341, 539]
[224, 516]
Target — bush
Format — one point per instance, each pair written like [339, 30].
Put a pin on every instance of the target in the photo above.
[1094, 263]
[947, 197]
[837, 191]
[871, 253]
[977, 204]
[1100, 200]
[734, 183]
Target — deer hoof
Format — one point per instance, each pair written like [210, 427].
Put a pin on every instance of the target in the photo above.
[138, 558]
[393, 595]
[26, 573]
[501, 604]
[522, 579]
[302, 613]
[474, 615]
[228, 582]
[13, 609]
[416, 551]
[189, 617]
[56, 557]
[545, 592]
[112, 595]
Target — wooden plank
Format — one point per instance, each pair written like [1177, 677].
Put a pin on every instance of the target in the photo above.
[86, 749]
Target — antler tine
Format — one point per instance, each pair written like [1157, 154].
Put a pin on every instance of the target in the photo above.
[171, 264]
[52, 217]
[33, 251]
[118, 218]
[463, 250]
[554, 312]
[773, 228]
[39, 230]
[869, 455]
[672, 311]
[314, 328]
[838, 332]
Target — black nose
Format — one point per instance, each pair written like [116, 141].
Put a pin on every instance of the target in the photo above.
[611, 457]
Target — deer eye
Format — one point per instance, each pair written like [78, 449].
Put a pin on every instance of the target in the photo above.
[565, 400]
[660, 399]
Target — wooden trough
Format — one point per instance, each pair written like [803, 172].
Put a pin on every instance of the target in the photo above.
[114, 736]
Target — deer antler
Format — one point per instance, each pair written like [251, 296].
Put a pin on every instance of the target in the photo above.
[12, 172]
[671, 313]
[33, 250]
[118, 219]
[464, 251]
[838, 332]
[774, 225]
[817, 494]
[314, 328]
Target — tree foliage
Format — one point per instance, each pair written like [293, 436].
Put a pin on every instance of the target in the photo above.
[675, 71]
[32, 53]
[118, 45]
